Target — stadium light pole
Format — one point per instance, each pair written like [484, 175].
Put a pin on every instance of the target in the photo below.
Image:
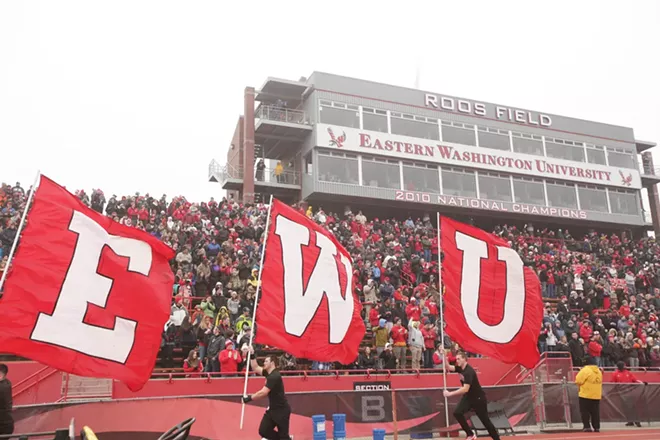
[254, 312]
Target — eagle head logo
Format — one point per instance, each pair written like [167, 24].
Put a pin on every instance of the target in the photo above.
[336, 141]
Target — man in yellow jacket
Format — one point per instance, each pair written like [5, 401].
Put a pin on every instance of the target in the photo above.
[590, 383]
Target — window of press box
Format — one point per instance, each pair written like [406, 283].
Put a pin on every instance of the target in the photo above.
[374, 119]
[529, 191]
[380, 173]
[458, 133]
[596, 154]
[494, 187]
[338, 169]
[527, 143]
[624, 202]
[566, 150]
[344, 115]
[459, 183]
[562, 196]
[494, 138]
[593, 198]
[619, 158]
[414, 126]
[419, 177]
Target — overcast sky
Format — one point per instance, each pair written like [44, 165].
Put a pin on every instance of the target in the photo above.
[140, 95]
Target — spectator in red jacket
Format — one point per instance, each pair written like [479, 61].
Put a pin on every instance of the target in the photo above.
[193, 364]
[430, 336]
[595, 348]
[413, 312]
[586, 330]
[399, 335]
[229, 358]
[622, 375]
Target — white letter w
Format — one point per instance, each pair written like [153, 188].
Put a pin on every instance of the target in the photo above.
[301, 306]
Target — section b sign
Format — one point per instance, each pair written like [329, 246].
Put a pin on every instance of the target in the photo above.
[84, 285]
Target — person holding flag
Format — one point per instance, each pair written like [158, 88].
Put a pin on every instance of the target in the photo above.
[305, 305]
[491, 305]
[279, 412]
[473, 397]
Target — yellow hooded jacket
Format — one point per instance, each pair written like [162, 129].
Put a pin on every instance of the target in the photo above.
[590, 382]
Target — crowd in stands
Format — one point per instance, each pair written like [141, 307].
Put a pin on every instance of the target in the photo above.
[601, 291]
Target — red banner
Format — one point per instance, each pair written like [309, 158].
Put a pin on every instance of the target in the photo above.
[493, 302]
[307, 305]
[85, 294]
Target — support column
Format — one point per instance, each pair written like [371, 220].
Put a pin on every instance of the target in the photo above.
[654, 194]
[248, 146]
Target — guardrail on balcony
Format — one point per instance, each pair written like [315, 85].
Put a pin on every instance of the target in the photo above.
[647, 171]
[281, 114]
[223, 172]
[269, 175]
[286, 177]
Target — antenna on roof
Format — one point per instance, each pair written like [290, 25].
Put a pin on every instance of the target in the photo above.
[417, 75]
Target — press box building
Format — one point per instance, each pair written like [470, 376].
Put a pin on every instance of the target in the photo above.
[345, 141]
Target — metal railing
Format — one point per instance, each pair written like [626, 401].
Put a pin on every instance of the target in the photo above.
[281, 114]
[270, 175]
[648, 171]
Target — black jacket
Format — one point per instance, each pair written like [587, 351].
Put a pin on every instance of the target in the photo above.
[6, 404]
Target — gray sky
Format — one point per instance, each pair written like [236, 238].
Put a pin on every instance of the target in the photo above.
[140, 95]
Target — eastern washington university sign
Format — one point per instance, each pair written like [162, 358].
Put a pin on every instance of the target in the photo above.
[401, 147]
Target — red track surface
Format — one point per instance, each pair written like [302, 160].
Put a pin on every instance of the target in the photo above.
[632, 433]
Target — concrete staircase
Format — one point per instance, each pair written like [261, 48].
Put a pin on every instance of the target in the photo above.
[78, 388]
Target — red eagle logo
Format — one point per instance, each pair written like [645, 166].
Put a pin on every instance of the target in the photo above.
[336, 141]
[626, 180]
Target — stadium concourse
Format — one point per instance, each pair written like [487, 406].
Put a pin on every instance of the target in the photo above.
[602, 292]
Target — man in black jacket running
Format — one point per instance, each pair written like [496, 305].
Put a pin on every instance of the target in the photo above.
[279, 412]
[473, 398]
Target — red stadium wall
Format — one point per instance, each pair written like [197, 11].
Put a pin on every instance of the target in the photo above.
[490, 372]
[33, 383]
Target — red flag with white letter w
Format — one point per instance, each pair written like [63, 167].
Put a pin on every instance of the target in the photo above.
[493, 302]
[85, 294]
[307, 305]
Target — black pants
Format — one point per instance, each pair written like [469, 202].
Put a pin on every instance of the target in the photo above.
[480, 407]
[590, 412]
[272, 419]
[6, 428]
[428, 358]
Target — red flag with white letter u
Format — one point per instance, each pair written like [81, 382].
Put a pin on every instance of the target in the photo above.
[85, 294]
[307, 305]
[493, 302]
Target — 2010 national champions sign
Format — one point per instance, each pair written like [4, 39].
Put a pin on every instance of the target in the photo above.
[446, 153]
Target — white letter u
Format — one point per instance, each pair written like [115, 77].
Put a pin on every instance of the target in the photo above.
[474, 250]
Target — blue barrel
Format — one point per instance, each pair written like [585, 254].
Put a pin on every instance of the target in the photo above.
[379, 434]
[339, 426]
[318, 423]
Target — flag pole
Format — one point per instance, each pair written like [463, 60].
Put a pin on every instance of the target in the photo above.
[442, 321]
[256, 301]
[18, 232]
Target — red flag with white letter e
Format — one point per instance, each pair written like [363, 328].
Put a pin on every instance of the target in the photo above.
[492, 302]
[307, 305]
[85, 294]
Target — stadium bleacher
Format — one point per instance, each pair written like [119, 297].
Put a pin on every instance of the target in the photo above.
[602, 292]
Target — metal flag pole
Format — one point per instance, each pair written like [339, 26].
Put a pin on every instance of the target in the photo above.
[256, 302]
[442, 321]
[18, 232]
